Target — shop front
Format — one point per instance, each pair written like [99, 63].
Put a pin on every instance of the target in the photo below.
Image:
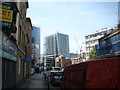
[8, 53]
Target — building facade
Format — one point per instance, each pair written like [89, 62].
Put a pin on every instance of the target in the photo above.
[28, 46]
[8, 47]
[74, 58]
[62, 43]
[92, 39]
[16, 43]
[23, 40]
[36, 45]
[62, 62]
[109, 45]
[56, 45]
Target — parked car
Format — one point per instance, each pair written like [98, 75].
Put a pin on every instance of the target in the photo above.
[56, 68]
[49, 71]
[55, 77]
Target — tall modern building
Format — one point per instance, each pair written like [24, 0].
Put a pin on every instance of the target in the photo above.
[92, 39]
[62, 45]
[56, 45]
[36, 45]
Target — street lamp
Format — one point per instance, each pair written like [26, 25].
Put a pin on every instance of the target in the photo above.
[44, 56]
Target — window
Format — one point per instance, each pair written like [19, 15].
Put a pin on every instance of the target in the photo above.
[118, 37]
[96, 41]
[86, 37]
[98, 34]
[95, 35]
[87, 48]
[112, 39]
[89, 36]
[119, 46]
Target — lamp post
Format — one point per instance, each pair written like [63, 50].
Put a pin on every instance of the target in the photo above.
[44, 56]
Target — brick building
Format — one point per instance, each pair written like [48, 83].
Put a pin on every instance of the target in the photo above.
[62, 62]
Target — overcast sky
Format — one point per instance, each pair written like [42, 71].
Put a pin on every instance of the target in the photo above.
[75, 19]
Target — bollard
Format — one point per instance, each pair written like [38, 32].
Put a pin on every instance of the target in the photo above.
[48, 83]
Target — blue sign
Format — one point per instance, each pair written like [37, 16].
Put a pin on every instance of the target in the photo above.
[28, 59]
[42, 64]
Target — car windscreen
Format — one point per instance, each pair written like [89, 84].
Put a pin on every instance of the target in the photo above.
[57, 68]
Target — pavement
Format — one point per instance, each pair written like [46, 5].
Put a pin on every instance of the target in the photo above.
[37, 81]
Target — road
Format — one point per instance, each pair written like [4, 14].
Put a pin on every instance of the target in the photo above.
[37, 81]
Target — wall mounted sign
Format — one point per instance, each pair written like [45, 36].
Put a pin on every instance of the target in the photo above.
[8, 13]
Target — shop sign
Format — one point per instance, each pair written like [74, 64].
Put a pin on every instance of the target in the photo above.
[4, 7]
[42, 64]
[28, 59]
[6, 15]
[8, 12]
[5, 0]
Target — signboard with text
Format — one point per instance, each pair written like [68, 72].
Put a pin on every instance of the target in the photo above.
[6, 15]
[8, 12]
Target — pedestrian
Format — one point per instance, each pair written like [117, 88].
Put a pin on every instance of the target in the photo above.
[40, 71]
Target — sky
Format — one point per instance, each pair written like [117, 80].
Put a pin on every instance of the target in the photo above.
[75, 19]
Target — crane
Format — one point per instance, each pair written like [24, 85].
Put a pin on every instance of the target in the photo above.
[80, 48]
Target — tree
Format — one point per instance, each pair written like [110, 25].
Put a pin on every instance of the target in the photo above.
[92, 54]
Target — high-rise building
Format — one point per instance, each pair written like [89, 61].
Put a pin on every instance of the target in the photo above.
[36, 45]
[56, 45]
[62, 44]
[92, 39]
